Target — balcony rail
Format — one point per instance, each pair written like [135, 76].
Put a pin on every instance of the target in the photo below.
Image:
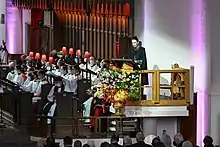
[166, 88]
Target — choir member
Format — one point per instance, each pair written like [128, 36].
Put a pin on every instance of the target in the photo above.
[20, 76]
[43, 80]
[11, 74]
[92, 64]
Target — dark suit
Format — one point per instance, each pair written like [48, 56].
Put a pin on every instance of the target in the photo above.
[140, 144]
[115, 145]
[139, 56]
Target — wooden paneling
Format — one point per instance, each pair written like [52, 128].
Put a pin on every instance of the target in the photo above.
[188, 124]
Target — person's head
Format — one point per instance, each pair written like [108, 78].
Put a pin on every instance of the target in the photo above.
[86, 145]
[77, 143]
[159, 144]
[18, 69]
[50, 141]
[92, 61]
[63, 69]
[140, 137]
[104, 144]
[41, 74]
[155, 141]
[148, 139]
[67, 141]
[35, 75]
[177, 139]
[11, 65]
[127, 141]
[135, 42]
[58, 81]
[91, 143]
[114, 139]
[208, 140]
[23, 57]
[187, 144]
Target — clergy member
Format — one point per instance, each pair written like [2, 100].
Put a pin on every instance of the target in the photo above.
[50, 107]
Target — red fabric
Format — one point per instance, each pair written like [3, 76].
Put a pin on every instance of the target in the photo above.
[36, 16]
[97, 113]
[24, 76]
[126, 9]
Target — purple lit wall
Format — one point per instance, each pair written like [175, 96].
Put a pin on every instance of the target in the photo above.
[2, 26]
[174, 32]
[13, 28]
[198, 38]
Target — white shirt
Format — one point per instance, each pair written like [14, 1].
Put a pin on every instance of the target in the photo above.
[50, 96]
[18, 79]
[10, 76]
[38, 90]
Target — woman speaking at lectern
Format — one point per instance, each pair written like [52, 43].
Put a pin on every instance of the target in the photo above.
[138, 55]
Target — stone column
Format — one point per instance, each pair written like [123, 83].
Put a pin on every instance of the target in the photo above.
[149, 126]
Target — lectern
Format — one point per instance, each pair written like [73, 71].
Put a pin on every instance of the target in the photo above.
[127, 64]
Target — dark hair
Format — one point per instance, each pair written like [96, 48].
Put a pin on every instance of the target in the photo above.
[135, 38]
[158, 144]
[77, 143]
[67, 140]
[155, 140]
[104, 144]
[86, 145]
[50, 141]
[65, 67]
[18, 67]
[208, 140]
[115, 137]
[42, 72]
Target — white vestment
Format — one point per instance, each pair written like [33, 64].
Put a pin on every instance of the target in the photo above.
[10, 76]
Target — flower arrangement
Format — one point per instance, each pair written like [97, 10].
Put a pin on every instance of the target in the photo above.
[119, 85]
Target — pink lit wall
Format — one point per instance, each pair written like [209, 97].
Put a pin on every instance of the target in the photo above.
[13, 29]
[2, 26]
[173, 31]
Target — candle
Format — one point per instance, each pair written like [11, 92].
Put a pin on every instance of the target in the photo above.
[31, 54]
[78, 53]
[44, 58]
[87, 54]
[71, 51]
[64, 50]
[51, 60]
[37, 56]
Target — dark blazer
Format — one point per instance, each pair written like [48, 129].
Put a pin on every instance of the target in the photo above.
[115, 145]
[140, 144]
[141, 55]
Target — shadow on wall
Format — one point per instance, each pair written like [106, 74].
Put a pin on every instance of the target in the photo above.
[172, 18]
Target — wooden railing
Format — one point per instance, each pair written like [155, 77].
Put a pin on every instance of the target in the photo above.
[166, 88]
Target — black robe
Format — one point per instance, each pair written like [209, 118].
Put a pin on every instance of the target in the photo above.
[140, 57]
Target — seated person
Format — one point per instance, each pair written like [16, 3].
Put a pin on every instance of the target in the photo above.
[99, 107]
[11, 74]
[42, 79]
[49, 108]
[20, 76]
